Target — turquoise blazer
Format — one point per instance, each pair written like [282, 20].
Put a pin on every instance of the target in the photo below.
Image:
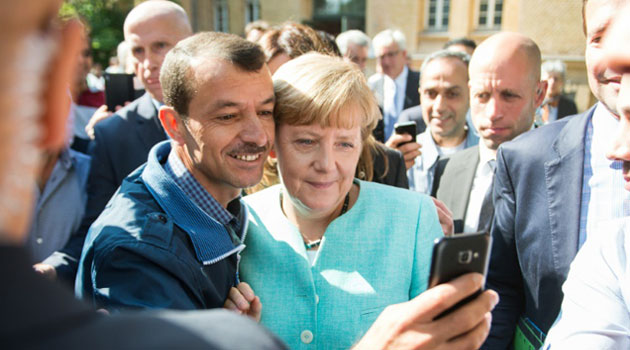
[375, 255]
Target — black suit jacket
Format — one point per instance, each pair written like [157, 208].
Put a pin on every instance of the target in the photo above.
[412, 98]
[566, 107]
[121, 144]
[537, 195]
[38, 314]
[453, 182]
[396, 174]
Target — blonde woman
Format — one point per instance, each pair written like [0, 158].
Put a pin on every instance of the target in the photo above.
[326, 252]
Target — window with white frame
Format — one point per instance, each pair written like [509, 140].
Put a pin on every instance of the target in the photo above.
[490, 13]
[252, 11]
[437, 15]
[221, 23]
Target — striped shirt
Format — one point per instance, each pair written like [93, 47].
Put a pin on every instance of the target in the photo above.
[603, 194]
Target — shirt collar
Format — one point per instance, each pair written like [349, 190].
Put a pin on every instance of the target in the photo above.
[210, 238]
[485, 154]
[401, 79]
[193, 189]
[157, 103]
[604, 123]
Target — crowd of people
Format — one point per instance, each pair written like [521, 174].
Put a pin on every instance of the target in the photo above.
[258, 195]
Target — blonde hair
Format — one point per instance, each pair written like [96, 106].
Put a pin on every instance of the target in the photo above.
[319, 89]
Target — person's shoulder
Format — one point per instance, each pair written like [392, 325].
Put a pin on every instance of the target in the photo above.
[375, 79]
[121, 119]
[133, 217]
[537, 140]
[78, 157]
[567, 100]
[466, 153]
[411, 114]
[131, 205]
[388, 151]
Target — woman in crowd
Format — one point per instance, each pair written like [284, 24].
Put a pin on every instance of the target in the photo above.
[326, 252]
[291, 40]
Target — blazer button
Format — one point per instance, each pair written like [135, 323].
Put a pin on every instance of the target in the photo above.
[306, 337]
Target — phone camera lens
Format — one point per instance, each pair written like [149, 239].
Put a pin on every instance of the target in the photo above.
[465, 257]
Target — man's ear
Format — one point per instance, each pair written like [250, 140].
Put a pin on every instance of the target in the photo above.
[56, 98]
[541, 90]
[171, 122]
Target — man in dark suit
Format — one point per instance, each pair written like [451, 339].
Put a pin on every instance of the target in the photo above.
[122, 142]
[552, 187]
[395, 86]
[556, 105]
[463, 180]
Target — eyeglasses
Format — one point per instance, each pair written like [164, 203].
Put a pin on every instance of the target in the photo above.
[388, 55]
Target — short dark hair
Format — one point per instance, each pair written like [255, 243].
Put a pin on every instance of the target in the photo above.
[176, 76]
[294, 40]
[460, 41]
[443, 54]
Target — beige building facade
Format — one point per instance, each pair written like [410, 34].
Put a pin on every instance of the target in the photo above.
[556, 25]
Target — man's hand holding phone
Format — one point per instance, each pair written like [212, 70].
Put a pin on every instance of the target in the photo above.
[413, 324]
[404, 140]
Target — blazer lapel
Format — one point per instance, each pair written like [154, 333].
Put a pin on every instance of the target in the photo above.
[457, 180]
[149, 129]
[411, 90]
[563, 178]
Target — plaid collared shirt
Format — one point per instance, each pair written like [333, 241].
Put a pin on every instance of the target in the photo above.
[204, 200]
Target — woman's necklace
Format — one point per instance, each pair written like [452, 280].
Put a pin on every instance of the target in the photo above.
[314, 244]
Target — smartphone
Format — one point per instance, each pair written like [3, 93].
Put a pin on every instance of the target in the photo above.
[118, 90]
[458, 255]
[406, 128]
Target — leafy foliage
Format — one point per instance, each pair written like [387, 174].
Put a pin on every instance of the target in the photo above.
[105, 20]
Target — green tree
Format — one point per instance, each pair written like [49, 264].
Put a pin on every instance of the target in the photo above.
[105, 19]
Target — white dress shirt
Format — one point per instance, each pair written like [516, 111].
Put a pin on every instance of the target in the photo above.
[394, 91]
[481, 184]
[390, 86]
[608, 199]
[595, 311]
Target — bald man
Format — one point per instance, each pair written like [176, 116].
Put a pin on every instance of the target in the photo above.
[504, 66]
[553, 187]
[122, 142]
